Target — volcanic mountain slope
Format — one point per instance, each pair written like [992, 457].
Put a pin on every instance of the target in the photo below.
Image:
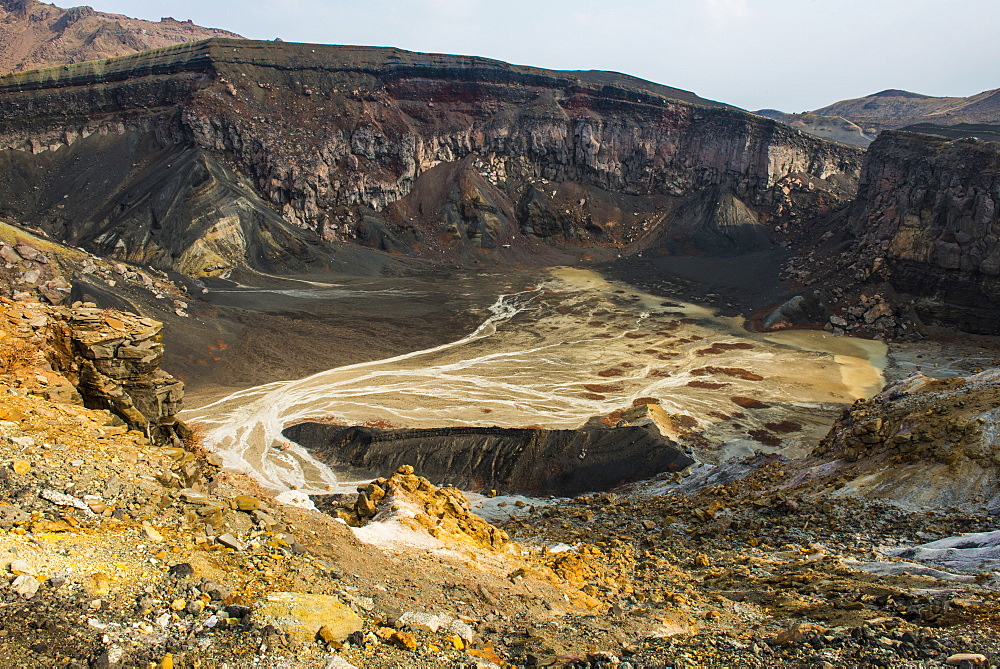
[34, 34]
[828, 126]
[859, 120]
[447, 156]
[895, 109]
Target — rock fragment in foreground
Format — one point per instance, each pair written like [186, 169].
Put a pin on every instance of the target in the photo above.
[301, 616]
[417, 504]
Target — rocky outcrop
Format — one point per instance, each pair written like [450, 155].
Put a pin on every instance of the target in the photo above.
[925, 220]
[415, 502]
[102, 359]
[344, 142]
[921, 442]
[36, 34]
[529, 461]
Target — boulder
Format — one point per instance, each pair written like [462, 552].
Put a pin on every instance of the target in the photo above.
[301, 616]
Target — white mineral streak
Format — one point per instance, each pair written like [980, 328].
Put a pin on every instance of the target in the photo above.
[976, 552]
[528, 363]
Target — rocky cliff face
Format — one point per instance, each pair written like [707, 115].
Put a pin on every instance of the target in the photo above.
[926, 219]
[99, 358]
[441, 155]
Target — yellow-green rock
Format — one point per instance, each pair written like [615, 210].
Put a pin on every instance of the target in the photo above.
[301, 616]
[247, 503]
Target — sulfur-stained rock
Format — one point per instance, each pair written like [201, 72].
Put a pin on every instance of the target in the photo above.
[404, 640]
[13, 415]
[443, 512]
[933, 431]
[247, 503]
[97, 584]
[302, 615]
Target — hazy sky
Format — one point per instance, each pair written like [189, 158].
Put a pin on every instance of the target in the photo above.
[792, 55]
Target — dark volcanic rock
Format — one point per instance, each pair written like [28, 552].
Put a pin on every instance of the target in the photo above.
[172, 207]
[805, 310]
[715, 221]
[446, 156]
[926, 219]
[530, 461]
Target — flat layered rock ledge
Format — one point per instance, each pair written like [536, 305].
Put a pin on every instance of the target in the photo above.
[530, 461]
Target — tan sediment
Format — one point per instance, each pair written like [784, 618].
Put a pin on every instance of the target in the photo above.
[540, 366]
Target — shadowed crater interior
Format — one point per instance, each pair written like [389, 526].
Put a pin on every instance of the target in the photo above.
[527, 461]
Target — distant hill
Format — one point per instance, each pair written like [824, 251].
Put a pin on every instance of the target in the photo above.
[979, 131]
[858, 121]
[832, 127]
[34, 35]
[895, 109]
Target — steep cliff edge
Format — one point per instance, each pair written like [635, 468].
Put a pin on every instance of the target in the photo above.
[926, 219]
[919, 244]
[447, 156]
[526, 461]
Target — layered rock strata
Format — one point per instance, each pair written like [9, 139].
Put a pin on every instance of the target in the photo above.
[403, 151]
[102, 359]
[926, 219]
[529, 461]
[917, 246]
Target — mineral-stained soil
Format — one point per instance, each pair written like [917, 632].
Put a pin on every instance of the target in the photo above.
[920, 442]
[122, 553]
